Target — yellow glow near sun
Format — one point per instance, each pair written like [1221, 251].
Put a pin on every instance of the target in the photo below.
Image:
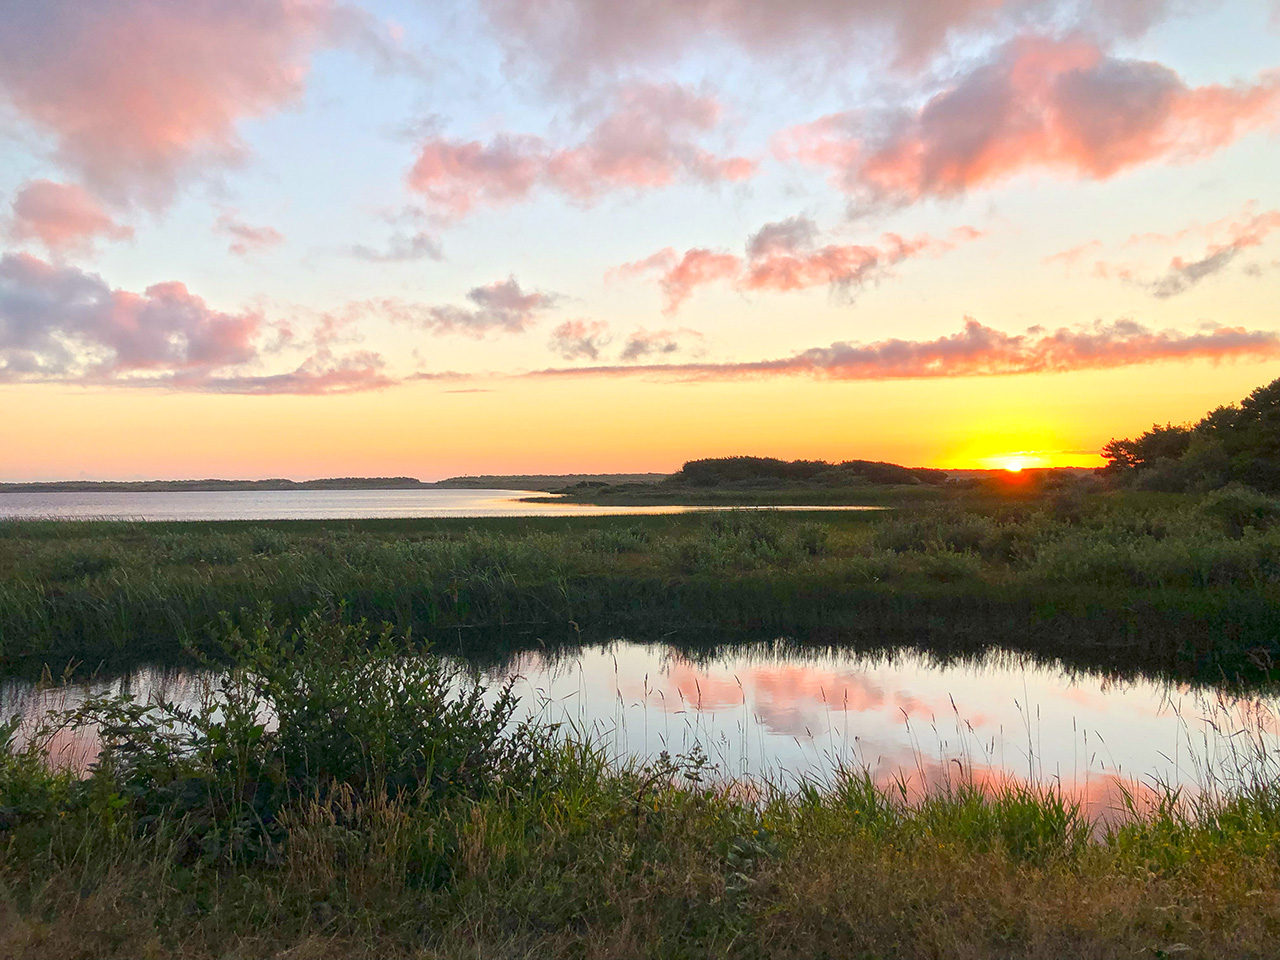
[1014, 462]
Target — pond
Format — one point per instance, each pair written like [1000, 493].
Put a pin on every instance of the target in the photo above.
[910, 719]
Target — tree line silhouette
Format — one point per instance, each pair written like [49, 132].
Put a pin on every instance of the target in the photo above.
[1235, 443]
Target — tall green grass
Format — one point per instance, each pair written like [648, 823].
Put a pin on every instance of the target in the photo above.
[1181, 585]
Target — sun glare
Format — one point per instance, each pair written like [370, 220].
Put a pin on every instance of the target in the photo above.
[1015, 462]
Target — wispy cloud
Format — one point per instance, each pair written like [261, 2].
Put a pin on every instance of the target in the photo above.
[499, 307]
[245, 238]
[321, 373]
[1228, 238]
[403, 248]
[1181, 274]
[411, 239]
[975, 351]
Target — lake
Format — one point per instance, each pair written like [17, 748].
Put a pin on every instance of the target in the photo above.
[312, 505]
[906, 717]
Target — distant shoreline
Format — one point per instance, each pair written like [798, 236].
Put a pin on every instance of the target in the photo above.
[546, 483]
[535, 482]
[182, 486]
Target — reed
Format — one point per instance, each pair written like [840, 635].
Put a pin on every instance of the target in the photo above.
[1185, 585]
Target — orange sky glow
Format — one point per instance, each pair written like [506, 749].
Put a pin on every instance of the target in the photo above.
[390, 237]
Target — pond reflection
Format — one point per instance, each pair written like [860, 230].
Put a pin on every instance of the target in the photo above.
[908, 719]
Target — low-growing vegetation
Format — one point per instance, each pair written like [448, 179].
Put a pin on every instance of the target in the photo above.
[341, 793]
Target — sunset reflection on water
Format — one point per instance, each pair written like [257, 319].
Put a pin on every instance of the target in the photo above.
[912, 721]
[909, 720]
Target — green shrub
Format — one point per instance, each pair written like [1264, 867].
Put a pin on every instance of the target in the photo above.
[1237, 508]
[299, 713]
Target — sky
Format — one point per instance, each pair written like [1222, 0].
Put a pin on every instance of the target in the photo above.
[302, 238]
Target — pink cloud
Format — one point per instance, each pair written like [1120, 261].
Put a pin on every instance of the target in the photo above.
[836, 265]
[457, 177]
[648, 141]
[783, 256]
[64, 325]
[663, 260]
[62, 216]
[579, 339]
[246, 239]
[48, 309]
[1071, 257]
[1182, 274]
[135, 93]
[977, 351]
[1228, 238]
[572, 41]
[645, 143]
[1057, 105]
[321, 373]
[695, 269]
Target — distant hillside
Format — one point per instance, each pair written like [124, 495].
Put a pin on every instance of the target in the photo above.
[724, 471]
[180, 486]
[547, 482]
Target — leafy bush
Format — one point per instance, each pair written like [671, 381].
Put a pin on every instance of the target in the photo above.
[299, 713]
[1237, 508]
[28, 787]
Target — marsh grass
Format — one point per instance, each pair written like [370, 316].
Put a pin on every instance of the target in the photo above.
[345, 794]
[1181, 585]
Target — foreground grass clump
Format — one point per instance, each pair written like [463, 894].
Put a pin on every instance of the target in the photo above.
[1185, 585]
[344, 795]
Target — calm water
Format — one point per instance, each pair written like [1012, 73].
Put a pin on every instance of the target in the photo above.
[903, 716]
[309, 505]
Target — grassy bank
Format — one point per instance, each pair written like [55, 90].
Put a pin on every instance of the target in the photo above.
[391, 813]
[751, 494]
[1181, 585]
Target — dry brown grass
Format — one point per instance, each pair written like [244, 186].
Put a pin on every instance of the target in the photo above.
[614, 886]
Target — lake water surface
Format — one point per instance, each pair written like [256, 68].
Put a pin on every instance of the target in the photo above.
[310, 505]
[766, 711]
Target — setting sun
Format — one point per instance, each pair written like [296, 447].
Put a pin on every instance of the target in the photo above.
[1017, 462]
